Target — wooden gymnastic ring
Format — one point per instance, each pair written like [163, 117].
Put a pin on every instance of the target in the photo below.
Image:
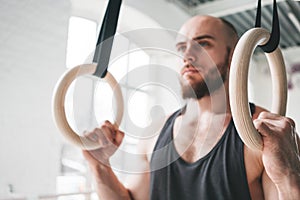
[238, 91]
[58, 104]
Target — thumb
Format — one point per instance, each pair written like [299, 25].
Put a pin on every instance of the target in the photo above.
[119, 138]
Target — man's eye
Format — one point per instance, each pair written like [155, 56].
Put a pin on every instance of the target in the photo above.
[203, 44]
[181, 48]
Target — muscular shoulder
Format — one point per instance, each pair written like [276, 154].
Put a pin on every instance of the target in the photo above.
[146, 145]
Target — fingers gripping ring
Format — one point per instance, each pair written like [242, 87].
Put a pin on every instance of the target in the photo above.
[58, 104]
[238, 91]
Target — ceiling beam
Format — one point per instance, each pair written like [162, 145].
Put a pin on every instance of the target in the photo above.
[295, 8]
[226, 7]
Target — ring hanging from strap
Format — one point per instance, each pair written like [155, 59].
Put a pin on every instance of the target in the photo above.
[59, 104]
[238, 91]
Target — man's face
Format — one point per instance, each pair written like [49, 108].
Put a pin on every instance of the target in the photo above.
[205, 57]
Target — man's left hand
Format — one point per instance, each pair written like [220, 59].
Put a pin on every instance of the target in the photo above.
[280, 153]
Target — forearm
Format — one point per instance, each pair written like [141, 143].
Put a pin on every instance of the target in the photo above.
[289, 189]
[107, 184]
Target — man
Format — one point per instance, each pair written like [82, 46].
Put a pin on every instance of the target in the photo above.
[205, 158]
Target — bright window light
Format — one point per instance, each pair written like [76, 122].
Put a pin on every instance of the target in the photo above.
[120, 68]
[81, 41]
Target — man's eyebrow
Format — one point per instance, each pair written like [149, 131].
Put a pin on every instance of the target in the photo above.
[203, 37]
[197, 38]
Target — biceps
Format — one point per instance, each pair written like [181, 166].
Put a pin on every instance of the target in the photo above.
[138, 185]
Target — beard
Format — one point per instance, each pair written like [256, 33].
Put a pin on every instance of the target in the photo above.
[207, 84]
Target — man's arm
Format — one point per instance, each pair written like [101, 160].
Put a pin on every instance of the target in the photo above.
[107, 184]
[269, 188]
[280, 156]
[109, 187]
[288, 190]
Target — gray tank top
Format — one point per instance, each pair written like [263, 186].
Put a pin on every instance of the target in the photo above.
[220, 174]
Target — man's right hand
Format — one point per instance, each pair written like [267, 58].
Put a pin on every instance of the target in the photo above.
[107, 184]
[109, 138]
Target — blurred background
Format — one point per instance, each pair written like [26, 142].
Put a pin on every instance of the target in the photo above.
[41, 39]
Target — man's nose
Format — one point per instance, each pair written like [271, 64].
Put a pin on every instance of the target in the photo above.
[189, 55]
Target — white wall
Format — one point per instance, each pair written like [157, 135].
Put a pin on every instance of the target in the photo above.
[260, 85]
[33, 36]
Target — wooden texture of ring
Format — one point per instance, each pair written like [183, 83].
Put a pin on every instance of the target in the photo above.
[58, 104]
[238, 91]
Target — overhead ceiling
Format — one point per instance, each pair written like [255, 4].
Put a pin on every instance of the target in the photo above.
[242, 15]
[191, 3]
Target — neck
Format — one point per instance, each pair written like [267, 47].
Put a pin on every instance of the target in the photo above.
[217, 103]
[203, 123]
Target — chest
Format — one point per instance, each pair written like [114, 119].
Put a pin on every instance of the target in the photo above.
[220, 171]
[192, 141]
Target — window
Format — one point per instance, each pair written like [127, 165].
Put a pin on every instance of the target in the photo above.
[82, 37]
[89, 100]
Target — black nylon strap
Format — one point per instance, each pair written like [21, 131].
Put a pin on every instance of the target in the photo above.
[105, 38]
[258, 15]
[273, 42]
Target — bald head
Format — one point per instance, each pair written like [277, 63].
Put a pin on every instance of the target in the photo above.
[230, 32]
[213, 24]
